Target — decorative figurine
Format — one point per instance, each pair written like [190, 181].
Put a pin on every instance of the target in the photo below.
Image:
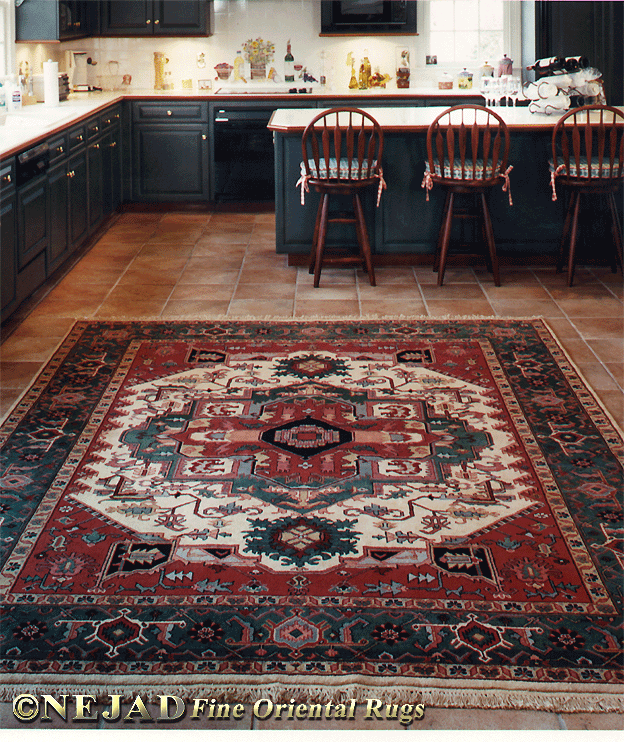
[353, 83]
[403, 69]
[365, 73]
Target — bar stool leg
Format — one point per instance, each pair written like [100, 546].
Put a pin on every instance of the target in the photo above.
[490, 239]
[315, 237]
[320, 247]
[566, 231]
[446, 237]
[436, 258]
[617, 231]
[573, 233]
[362, 233]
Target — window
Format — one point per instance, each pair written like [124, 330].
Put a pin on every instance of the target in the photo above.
[6, 36]
[470, 32]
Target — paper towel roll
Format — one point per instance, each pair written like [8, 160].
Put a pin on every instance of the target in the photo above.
[50, 83]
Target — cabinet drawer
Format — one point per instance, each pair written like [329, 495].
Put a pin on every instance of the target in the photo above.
[181, 112]
[77, 137]
[58, 148]
[94, 128]
[110, 118]
[7, 176]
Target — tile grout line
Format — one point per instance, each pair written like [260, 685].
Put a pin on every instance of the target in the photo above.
[582, 336]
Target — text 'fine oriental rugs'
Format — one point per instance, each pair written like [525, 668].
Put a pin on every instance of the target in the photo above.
[427, 509]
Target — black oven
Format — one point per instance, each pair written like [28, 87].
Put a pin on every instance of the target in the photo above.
[368, 16]
[243, 155]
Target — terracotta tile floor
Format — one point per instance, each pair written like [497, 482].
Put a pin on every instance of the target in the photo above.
[181, 265]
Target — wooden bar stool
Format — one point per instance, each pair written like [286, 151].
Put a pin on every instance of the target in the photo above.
[342, 151]
[587, 159]
[467, 152]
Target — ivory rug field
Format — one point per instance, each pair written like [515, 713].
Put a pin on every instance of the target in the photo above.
[419, 509]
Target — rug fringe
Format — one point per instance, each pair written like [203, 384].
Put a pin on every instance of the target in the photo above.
[482, 695]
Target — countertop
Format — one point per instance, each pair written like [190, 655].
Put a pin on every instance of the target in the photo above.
[292, 120]
[25, 127]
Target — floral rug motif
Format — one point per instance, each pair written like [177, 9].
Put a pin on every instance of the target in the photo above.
[430, 509]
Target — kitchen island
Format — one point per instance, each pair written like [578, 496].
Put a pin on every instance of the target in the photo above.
[404, 229]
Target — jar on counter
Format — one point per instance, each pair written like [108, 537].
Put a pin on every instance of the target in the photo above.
[464, 81]
[445, 82]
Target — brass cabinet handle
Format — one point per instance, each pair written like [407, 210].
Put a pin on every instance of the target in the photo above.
[80, 137]
[169, 113]
[6, 178]
[148, 21]
[204, 136]
[156, 22]
[113, 145]
[71, 174]
[117, 116]
[59, 150]
[107, 122]
[96, 146]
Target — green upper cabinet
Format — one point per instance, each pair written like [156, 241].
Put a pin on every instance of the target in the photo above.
[155, 18]
[55, 20]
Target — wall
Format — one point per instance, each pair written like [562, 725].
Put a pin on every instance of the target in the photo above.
[234, 22]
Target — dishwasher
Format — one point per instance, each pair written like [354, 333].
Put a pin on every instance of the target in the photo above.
[243, 155]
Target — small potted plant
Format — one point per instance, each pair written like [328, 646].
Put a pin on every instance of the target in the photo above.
[258, 53]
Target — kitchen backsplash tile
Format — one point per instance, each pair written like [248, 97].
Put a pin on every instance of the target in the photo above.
[235, 21]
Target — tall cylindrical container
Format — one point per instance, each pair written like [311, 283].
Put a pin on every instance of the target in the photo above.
[50, 83]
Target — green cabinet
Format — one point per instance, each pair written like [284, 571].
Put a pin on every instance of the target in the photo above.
[55, 20]
[155, 18]
[8, 236]
[170, 151]
[58, 194]
[111, 161]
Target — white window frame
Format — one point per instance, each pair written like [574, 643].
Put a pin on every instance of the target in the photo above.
[7, 36]
[512, 38]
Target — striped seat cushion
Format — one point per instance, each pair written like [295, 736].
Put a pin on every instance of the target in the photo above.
[344, 173]
[584, 171]
[467, 174]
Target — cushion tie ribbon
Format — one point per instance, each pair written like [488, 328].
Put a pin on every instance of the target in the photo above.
[507, 184]
[427, 182]
[553, 175]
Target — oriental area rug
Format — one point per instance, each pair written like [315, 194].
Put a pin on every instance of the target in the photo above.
[416, 510]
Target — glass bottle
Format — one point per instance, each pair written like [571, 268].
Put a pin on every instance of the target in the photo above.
[289, 64]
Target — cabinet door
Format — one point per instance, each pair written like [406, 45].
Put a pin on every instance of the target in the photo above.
[78, 200]
[180, 17]
[32, 210]
[124, 18]
[111, 167]
[96, 183]
[7, 254]
[51, 20]
[170, 163]
[59, 202]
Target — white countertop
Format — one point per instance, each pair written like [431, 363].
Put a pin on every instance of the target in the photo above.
[31, 123]
[414, 118]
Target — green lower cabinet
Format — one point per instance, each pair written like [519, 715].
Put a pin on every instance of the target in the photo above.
[170, 163]
[58, 191]
[96, 183]
[111, 171]
[8, 234]
[78, 199]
